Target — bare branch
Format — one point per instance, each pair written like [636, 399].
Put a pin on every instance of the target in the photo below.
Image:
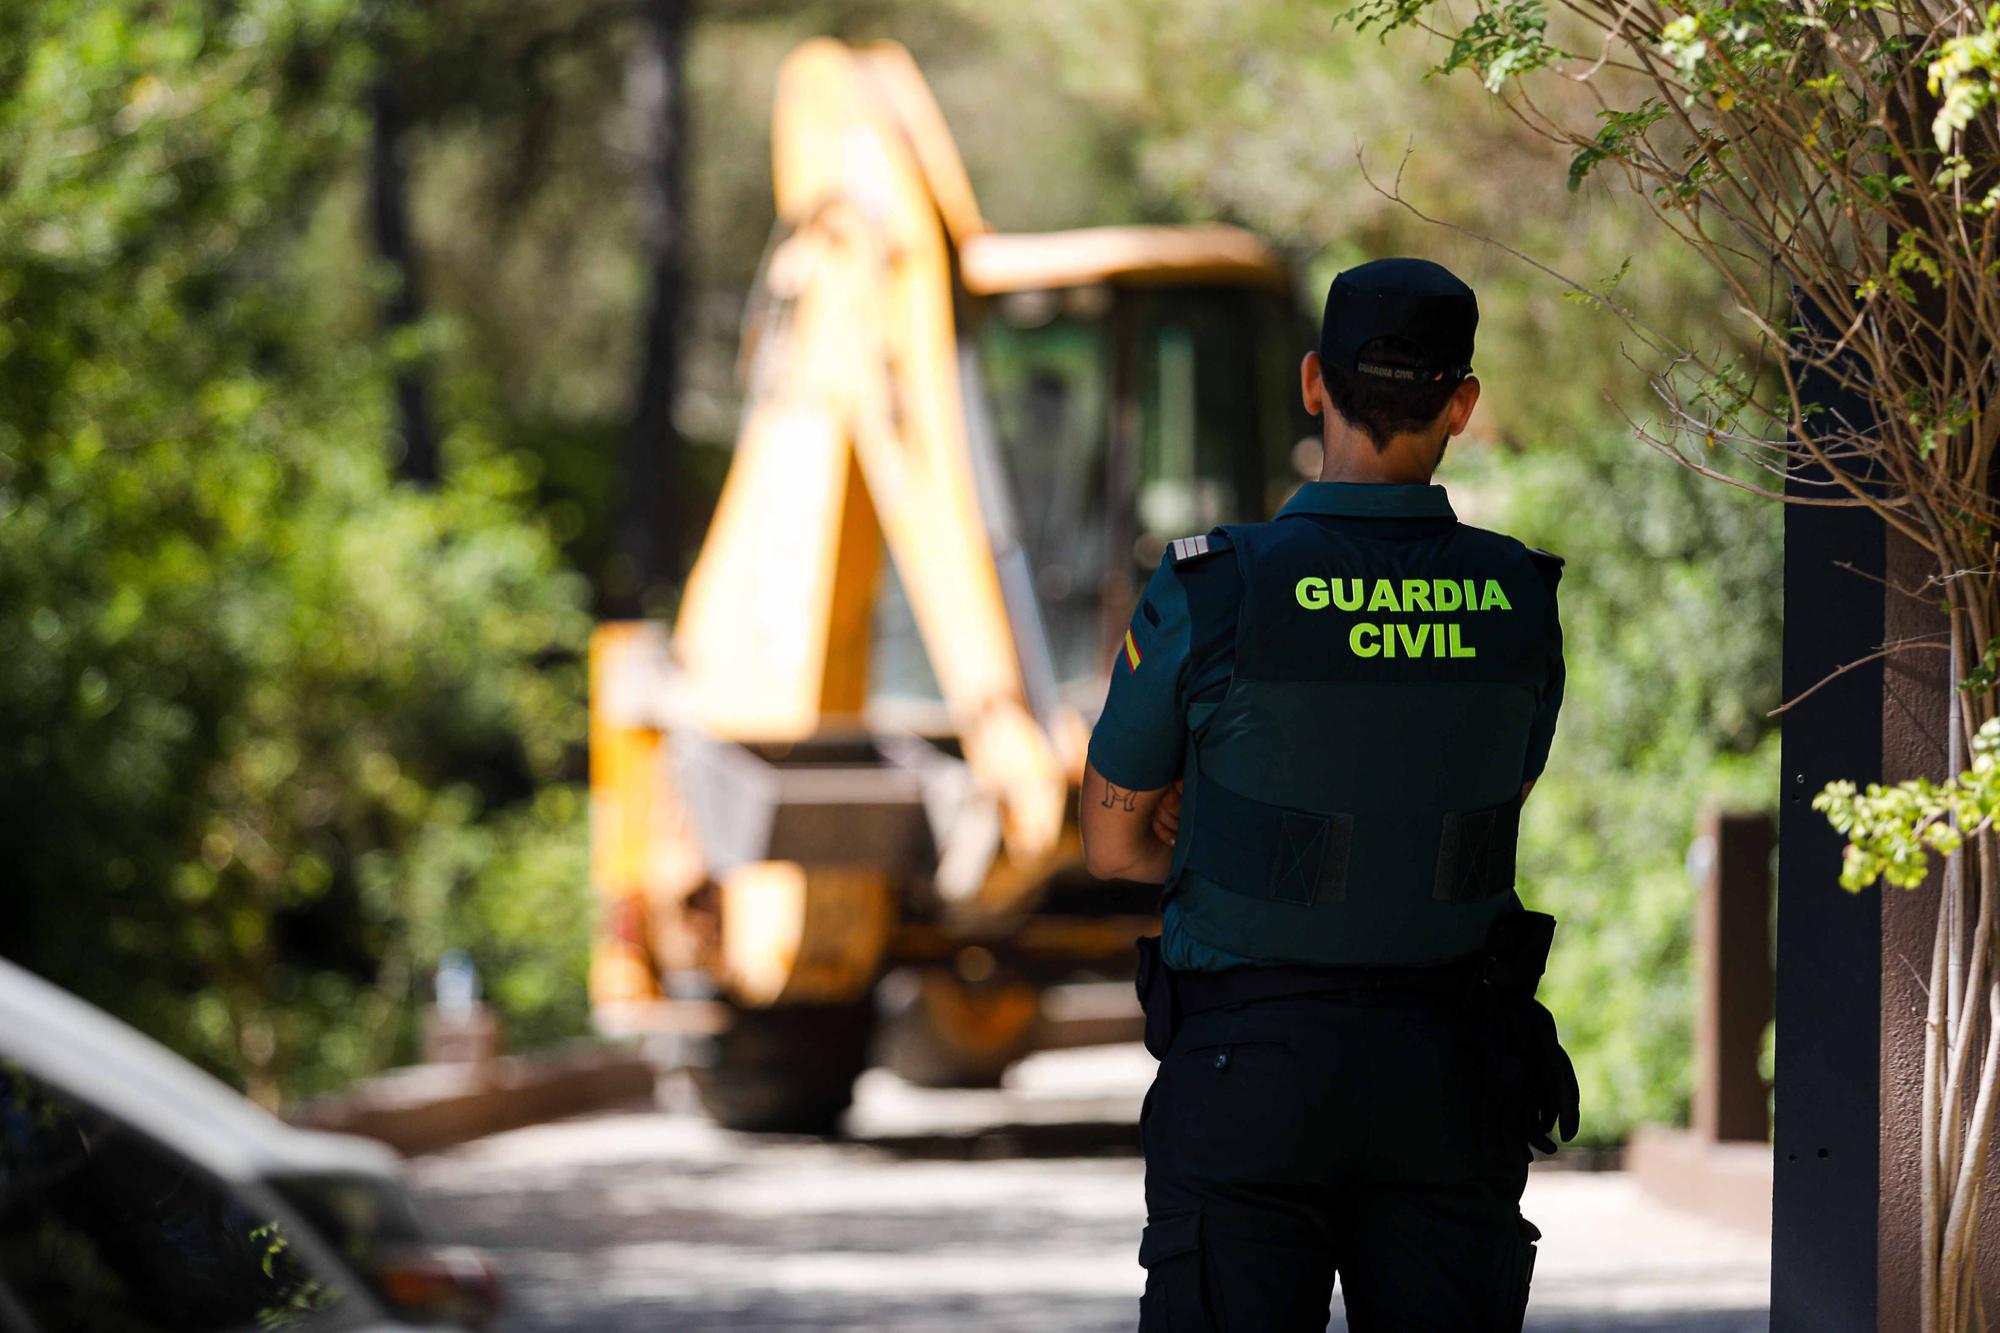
[1928, 641]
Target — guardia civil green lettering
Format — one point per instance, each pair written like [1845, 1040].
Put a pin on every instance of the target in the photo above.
[1429, 596]
[1431, 638]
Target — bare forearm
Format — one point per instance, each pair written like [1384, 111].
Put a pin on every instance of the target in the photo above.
[1146, 862]
[1118, 837]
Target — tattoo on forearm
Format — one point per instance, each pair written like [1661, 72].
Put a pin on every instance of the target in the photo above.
[1115, 795]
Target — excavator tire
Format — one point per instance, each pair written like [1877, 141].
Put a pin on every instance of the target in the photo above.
[942, 1032]
[787, 1070]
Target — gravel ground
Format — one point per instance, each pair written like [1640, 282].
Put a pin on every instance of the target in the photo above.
[1013, 1209]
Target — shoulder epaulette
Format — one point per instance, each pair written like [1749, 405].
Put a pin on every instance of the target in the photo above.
[1184, 549]
[1549, 565]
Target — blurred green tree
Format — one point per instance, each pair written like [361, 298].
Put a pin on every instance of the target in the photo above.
[279, 728]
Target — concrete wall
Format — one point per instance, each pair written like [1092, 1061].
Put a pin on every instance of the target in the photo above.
[1916, 699]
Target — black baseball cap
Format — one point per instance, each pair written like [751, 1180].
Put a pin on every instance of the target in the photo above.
[1421, 308]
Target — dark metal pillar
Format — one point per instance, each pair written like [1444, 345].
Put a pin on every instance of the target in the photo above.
[1823, 1240]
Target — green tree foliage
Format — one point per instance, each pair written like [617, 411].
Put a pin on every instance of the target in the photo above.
[1892, 831]
[278, 729]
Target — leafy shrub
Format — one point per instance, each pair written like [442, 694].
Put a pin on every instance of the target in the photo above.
[279, 727]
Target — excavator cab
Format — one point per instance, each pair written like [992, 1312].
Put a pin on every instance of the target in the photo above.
[1127, 417]
[836, 802]
[1120, 417]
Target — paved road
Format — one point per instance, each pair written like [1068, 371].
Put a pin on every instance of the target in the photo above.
[1010, 1210]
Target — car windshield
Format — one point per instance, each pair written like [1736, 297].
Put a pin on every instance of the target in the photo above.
[103, 1229]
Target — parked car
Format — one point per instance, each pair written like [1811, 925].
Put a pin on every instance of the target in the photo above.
[139, 1195]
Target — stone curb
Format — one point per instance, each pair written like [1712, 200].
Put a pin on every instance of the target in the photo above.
[423, 1108]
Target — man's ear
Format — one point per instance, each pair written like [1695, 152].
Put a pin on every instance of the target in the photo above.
[1312, 389]
[1458, 408]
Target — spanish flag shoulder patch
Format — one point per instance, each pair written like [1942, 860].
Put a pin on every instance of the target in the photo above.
[1132, 655]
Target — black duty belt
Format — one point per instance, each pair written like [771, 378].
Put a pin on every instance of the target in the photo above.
[1510, 965]
[1198, 991]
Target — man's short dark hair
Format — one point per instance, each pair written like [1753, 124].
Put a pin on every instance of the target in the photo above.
[1383, 407]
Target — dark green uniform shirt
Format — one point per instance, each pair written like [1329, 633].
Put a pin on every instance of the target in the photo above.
[1173, 670]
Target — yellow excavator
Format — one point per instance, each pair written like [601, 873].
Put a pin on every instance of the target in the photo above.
[832, 811]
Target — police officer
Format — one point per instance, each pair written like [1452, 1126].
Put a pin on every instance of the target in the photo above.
[1318, 736]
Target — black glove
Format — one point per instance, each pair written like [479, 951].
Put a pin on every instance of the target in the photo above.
[1553, 1098]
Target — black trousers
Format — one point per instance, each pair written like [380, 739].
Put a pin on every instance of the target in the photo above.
[1290, 1140]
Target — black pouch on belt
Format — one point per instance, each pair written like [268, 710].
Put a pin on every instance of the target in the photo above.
[1531, 1088]
[1156, 996]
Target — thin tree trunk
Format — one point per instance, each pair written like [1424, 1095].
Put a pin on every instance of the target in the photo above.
[648, 540]
[1958, 1033]
[1954, 904]
[1931, 1185]
[1958, 1225]
[415, 447]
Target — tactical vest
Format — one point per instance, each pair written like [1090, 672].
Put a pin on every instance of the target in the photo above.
[1354, 796]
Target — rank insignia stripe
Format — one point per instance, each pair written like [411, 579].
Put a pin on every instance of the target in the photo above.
[1186, 548]
[1132, 657]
